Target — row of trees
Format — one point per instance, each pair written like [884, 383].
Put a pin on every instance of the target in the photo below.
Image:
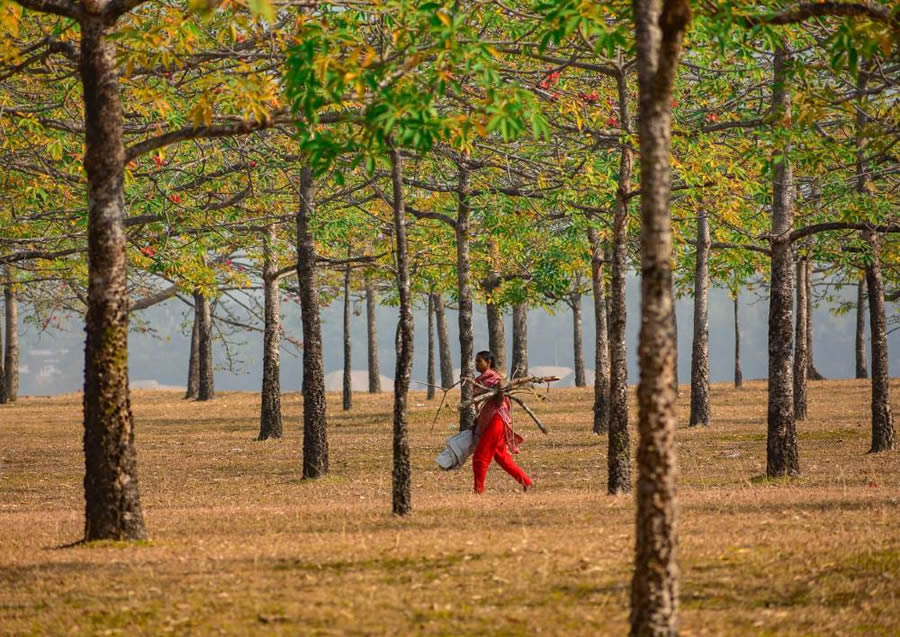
[458, 150]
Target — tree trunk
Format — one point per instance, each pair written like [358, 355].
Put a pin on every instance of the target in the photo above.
[347, 384]
[206, 389]
[738, 372]
[430, 380]
[577, 345]
[402, 478]
[519, 368]
[270, 425]
[619, 449]
[446, 362]
[801, 366]
[675, 329]
[811, 372]
[496, 334]
[700, 349]
[654, 585]
[193, 379]
[781, 437]
[464, 291]
[112, 498]
[11, 351]
[882, 416]
[372, 339]
[315, 432]
[861, 367]
[601, 337]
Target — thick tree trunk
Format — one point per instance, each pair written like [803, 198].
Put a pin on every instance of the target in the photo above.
[700, 349]
[519, 367]
[811, 372]
[496, 334]
[654, 586]
[270, 424]
[193, 377]
[781, 439]
[738, 371]
[347, 381]
[112, 499]
[372, 339]
[464, 292]
[430, 380]
[619, 448]
[446, 362]
[882, 417]
[861, 367]
[402, 476]
[206, 389]
[801, 366]
[577, 344]
[3, 400]
[11, 351]
[601, 337]
[315, 432]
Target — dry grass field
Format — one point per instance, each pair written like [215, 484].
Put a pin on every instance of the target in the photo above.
[240, 545]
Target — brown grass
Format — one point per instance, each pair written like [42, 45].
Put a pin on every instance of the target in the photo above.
[240, 545]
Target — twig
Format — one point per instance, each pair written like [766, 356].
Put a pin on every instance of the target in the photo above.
[531, 413]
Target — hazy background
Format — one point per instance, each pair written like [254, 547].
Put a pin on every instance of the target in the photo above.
[52, 362]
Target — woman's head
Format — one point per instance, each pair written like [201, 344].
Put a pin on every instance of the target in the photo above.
[484, 361]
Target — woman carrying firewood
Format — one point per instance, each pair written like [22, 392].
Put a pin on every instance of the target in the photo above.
[494, 432]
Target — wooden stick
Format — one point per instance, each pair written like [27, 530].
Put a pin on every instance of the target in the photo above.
[531, 413]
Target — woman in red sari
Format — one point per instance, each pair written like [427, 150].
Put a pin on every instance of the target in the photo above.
[494, 432]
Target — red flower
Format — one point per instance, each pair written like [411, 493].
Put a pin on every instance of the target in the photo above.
[252, 164]
[612, 121]
[590, 98]
[712, 117]
[148, 251]
[175, 197]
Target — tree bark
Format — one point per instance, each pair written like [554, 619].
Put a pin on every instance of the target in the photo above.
[372, 339]
[619, 448]
[675, 329]
[446, 362]
[811, 372]
[112, 498]
[577, 344]
[270, 424]
[882, 417]
[402, 476]
[206, 388]
[601, 337]
[781, 438]
[519, 367]
[11, 350]
[3, 399]
[861, 367]
[801, 364]
[193, 379]
[464, 292]
[315, 432]
[430, 379]
[654, 585]
[738, 372]
[700, 349]
[347, 381]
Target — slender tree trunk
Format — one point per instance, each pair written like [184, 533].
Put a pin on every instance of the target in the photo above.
[206, 388]
[519, 368]
[270, 424]
[193, 379]
[738, 372]
[464, 291]
[11, 351]
[347, 384]
[3, 399]
[700, 350]
[430, 380]
[811, 372]
[619, 451]
[861, 367]
[315, 432]
[801, 366]
[654, 585]
[496, 334]
[112, 498]
[402, 477]
[601, 337]
[781, 445]
[577, 344]
[675, 329]
[446, 362]
[882, 417]
[372, 344]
